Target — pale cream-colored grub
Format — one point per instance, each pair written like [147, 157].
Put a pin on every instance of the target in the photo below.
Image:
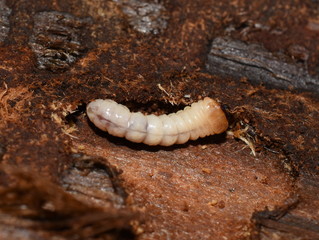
[201, 119]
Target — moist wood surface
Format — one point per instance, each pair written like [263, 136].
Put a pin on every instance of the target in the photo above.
[62, 178]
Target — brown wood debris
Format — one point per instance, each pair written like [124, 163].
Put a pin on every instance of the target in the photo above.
[62, 178]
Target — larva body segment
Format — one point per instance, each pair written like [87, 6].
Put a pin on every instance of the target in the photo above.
[154, 132]
[201, 119]
[182, 128]
[170, 132]
[137, 128]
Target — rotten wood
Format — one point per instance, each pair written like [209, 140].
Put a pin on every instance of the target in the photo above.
[237, 59]
[62, 178]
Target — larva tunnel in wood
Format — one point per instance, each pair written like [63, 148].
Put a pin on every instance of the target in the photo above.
[201, 119]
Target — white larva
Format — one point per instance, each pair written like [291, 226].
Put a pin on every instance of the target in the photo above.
[201, 119]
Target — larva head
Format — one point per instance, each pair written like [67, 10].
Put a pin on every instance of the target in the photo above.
[217, 118]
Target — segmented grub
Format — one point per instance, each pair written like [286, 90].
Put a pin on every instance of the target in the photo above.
[201, 119]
